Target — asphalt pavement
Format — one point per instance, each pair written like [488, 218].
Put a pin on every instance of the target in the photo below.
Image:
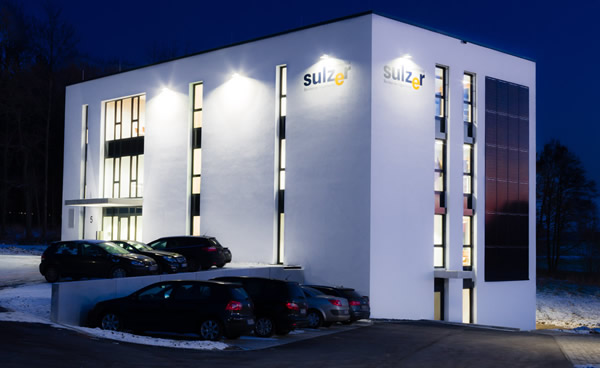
[382, 344]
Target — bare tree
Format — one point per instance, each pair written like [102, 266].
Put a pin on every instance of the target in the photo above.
[565, 202]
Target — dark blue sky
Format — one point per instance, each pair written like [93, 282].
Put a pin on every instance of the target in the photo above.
[562, 39]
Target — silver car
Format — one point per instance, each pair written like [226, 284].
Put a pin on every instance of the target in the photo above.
[324, 310]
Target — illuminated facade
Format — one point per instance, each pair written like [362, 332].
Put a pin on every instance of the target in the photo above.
[300, 149]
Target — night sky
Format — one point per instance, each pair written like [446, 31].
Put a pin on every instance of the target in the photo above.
[562, 39]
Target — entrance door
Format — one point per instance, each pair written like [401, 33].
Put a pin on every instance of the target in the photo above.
[122, 224]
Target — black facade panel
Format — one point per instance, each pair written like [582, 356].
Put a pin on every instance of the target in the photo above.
[125, 147]
[195, 205]
[507, 177]
[197, 138]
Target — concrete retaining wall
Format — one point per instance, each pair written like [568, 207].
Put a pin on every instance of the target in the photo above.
[72, 301]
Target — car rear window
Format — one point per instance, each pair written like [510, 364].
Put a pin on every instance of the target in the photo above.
[351, 294]
[239, 293]
[295, 291]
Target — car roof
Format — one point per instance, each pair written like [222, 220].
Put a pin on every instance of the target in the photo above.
[89, 241]
[186, 237]
[251, 278]
[341, 288]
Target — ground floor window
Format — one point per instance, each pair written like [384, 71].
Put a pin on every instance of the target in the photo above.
[438, 299]
[122, 223]
[467, 301]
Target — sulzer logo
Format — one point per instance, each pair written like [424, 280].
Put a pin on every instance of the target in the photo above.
[396, 75]
[328, 75]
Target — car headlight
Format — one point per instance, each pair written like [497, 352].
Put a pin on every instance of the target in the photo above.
[169, 259]
[137, 263]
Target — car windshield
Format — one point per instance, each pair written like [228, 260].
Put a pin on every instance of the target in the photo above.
[239, 294]
[112, 248]
[140, 246]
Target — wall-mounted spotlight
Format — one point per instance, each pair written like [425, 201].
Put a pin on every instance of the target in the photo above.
[235, 76]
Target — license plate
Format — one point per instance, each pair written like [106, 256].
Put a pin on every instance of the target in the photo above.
[302, 311]
[250, 321]
[153, 268]
[184, 265]
[364, 307]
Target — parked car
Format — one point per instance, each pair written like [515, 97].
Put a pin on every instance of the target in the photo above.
[359, 305]
[323, 309]
[210, 308]
[168, 262]
[200, 251]
[280, 306]
[92, 258]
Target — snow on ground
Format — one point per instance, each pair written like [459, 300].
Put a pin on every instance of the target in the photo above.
[35, 250]
[568, 305]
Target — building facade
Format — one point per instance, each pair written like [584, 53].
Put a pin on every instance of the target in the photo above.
[373, 153]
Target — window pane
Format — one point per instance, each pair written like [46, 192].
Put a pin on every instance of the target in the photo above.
[283, 111]
[438, 257]
[439, 181]
[115, 228]
[466, 257]
[437, 306]
[467, 184]
[196, 222]
[110, 121]
[198, 119]
[467, 158]
[466, 305]
[198, 90]
[134, 168]
[138, 228]
[439, 155]
[125, 170]
[136, 102]
[131, 228]
[196, 185]
[107, 227]
[466, 230]
[284, 81]
[282, 180]
[108, 177]
[282, 162]
[140, 180]
[438, 107]
[438, 229]
[197, 169]
[467, 87]
[281, 235]
[467, 113]
[142, 121]
[126, 125]
[118, 107]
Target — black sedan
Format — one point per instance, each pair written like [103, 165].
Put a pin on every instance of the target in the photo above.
[92, 258]
[168, 262]
[209, 308]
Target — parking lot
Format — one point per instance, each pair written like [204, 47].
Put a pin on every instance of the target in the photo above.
[383, 344]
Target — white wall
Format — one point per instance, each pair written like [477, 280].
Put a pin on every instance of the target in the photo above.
[402, 179]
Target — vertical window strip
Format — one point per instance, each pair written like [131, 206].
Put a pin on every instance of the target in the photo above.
[468, 168]
[282, 102]
[441, 113]
[197, 109]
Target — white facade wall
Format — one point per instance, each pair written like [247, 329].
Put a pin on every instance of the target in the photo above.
[359, 171]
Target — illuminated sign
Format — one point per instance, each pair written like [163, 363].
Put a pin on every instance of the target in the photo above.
[334, 75]
[403, 75]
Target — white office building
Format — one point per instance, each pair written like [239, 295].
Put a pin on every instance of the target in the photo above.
[372, 153]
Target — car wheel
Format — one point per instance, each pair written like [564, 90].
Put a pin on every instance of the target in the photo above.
[111, 321]
[315, 320]
[51, 274]
[193, 265]
[264, 327]
[210, 329]
[118, 273]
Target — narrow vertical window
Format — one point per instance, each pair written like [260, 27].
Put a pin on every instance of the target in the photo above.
[281, 158]
[439, 185]
[197, 91]
[84, 118]
[467, 301]
[468, 169]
